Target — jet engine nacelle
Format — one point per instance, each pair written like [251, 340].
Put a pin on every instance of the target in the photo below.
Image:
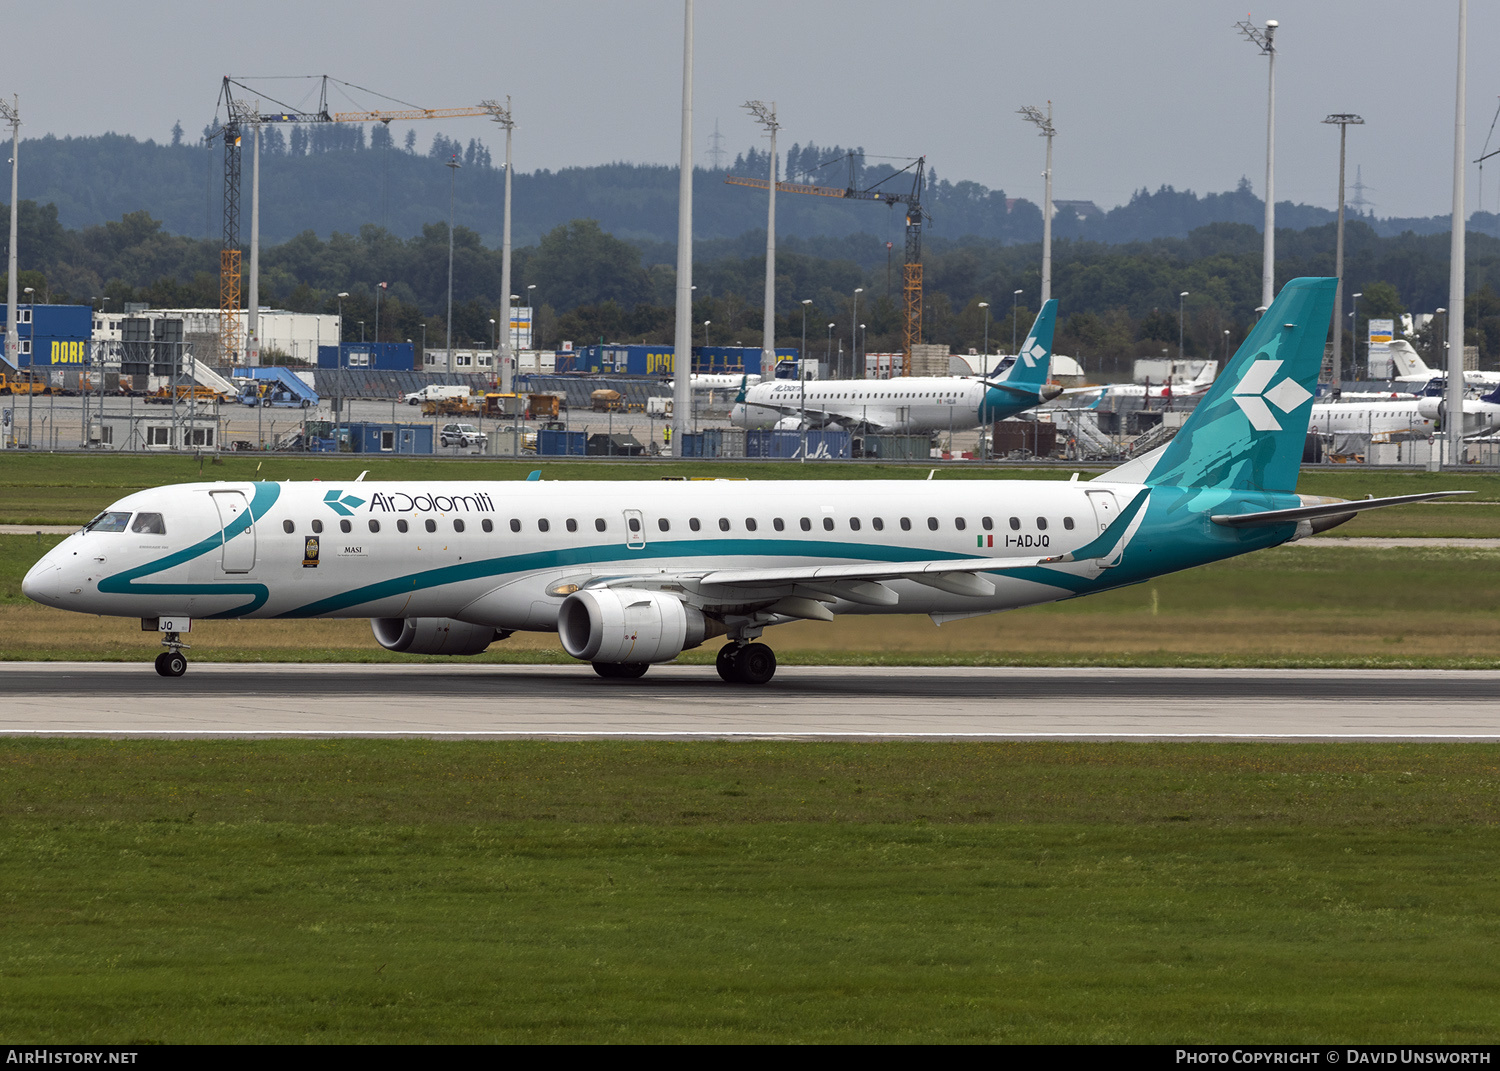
[432, 635]
[610, 625]
[789, 423]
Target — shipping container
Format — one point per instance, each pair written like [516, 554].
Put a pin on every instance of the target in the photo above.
[562, 443]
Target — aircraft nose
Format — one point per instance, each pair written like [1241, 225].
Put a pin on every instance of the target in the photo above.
[42, 582]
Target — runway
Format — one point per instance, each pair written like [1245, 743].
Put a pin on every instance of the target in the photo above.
[690, 702]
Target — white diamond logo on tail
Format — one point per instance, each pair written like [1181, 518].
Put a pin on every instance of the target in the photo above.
[1031, 353]
[1254, 391]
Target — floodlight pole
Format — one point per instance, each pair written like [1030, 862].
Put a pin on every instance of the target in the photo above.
[1266, 42]
[765, 115]
[1455, 391]
[682, 348]
[1342, 120]
[502, 115]
[11, 112]
[453, 165]
[1180, 299]
[1044, 124]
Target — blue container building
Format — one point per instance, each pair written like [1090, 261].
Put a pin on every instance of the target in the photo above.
[51, 335]
[382, 356]
[374, 438]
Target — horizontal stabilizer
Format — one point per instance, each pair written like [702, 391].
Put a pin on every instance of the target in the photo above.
[1272, 517]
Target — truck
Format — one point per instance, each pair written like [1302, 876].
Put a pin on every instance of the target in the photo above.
[434, 392]
[23, 385]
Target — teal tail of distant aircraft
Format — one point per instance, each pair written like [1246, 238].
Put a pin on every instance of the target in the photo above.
[1033, 362]
[1024, 384]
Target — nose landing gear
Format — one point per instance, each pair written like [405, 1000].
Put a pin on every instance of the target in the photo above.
[746, 663]
[172, 662]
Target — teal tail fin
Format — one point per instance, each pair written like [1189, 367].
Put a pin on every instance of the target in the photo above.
[744, 386]
[1248, 432]
[1034, 361]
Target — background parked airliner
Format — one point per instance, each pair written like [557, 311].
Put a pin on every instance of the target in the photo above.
[632, 573]
[911, 403]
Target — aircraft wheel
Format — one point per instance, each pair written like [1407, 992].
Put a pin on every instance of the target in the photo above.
[728, 663]
[757, 664]
[621, 670]
[171, 664]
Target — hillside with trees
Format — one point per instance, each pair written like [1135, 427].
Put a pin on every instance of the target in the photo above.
[337, 178]
[1116, 301]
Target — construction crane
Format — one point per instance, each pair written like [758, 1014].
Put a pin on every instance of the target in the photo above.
[239, 113]
[911, 324]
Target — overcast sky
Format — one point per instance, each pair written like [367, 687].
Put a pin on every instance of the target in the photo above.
[1145, 93]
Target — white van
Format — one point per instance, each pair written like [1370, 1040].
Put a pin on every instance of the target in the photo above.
[433, 392]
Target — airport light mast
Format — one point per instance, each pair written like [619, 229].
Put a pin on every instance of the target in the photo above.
[1044, 124]
[502, 115]
[765, 115]
[1343, 121]
[1455, 392]
[11, 113]
[1266, 42]
[682, 335]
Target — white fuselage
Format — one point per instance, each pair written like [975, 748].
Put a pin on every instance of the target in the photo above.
[912, 404]
[506, 554]
[1378, 419]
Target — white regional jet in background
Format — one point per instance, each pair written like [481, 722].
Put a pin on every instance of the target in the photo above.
[1095, 397]
[1410, 368]
[632, 573]
[1381, 419]
[908, 403]
[719, 380]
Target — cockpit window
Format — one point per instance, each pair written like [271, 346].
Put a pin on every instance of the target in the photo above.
[149, 524]
[108, 522]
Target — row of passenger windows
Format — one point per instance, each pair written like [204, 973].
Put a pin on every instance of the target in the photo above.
[694, 524]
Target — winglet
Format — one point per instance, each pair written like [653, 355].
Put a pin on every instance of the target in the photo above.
[535, 476]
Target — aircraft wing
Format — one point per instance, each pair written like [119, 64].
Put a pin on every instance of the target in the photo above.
[799, 590]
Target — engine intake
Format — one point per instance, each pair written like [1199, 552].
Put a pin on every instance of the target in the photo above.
[608, 625]
[433, 635]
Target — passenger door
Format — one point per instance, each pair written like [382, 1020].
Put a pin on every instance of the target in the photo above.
[1106, 509]
[236, 530]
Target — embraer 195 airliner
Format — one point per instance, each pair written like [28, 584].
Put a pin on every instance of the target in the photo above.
[908, 403]
[634, 573]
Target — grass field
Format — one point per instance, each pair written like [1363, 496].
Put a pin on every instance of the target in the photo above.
[468, 892]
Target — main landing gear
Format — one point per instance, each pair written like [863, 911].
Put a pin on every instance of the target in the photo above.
[172, 662]
[746, 663]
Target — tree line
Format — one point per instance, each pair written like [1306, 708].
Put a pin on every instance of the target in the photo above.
[1117, 302]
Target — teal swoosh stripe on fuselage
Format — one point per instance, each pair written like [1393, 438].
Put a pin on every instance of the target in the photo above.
[124, 583]
[615, 553]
